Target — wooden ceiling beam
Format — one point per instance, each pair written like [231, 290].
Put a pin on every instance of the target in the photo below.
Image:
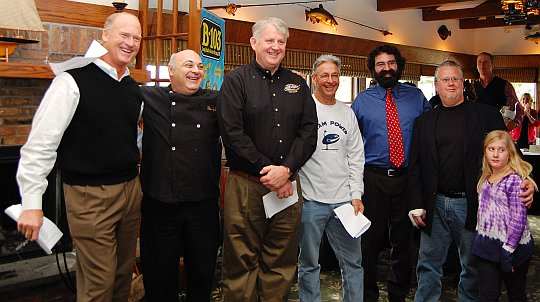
[390, 5]
[482, 10]
[473, 23]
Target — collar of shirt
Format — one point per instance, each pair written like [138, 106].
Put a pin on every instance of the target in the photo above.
[265, 73]
[170, 90]
[395, 91]
[111, 71]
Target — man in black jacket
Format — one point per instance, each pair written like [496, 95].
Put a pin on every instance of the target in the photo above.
[180, 179]
[444, 165]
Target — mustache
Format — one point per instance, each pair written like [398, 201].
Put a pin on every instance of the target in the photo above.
[389, 72]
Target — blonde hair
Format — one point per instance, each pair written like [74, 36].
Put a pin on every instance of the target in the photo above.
[515, 162]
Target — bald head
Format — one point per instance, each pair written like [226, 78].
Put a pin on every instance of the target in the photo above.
[186, 72]
[122, 39]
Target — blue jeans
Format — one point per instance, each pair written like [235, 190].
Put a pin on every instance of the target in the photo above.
[316, 218]
[448, 225]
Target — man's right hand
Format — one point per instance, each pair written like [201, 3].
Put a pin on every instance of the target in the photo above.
[29, 223]
[417, 217]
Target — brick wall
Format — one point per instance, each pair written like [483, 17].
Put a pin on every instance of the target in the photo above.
[19, 98]
[58, 42]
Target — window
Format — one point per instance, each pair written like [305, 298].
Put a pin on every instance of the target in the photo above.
[345, 92]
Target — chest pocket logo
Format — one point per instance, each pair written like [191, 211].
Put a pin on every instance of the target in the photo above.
[292, 88]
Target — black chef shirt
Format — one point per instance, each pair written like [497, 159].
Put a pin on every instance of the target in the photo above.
[181, 157]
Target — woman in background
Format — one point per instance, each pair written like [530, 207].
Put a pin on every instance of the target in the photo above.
[526, 132]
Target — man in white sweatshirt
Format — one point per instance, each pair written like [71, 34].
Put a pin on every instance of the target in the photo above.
[331, 178]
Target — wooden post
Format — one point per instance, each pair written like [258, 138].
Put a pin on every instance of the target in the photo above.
[174, 25]
[194, 37]
[143, 19]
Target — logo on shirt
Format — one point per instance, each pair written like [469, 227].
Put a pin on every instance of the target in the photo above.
[292, 88]
[211, 108]
[329, 139]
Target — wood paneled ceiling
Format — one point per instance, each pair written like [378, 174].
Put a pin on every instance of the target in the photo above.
[471, 14]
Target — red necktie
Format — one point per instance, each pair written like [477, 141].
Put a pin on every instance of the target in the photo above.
[395, 141]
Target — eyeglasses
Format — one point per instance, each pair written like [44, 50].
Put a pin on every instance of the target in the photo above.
[448, 79]
[326, 76]
[391, 63]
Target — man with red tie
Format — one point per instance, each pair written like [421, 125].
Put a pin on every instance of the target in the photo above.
[386, 113]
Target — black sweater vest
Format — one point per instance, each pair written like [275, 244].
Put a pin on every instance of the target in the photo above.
[493, 94]
[99, 147]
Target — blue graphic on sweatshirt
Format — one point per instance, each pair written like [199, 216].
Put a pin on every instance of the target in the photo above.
[329, 139]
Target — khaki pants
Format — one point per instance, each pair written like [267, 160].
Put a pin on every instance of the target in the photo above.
[259, 254]
[104, 224]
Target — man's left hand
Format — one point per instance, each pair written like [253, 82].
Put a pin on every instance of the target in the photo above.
[286, 190]
[358, 206]
[527, 194]
[274, 176]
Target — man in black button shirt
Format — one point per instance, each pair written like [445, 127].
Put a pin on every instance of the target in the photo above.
[268, 124]
[180, 180]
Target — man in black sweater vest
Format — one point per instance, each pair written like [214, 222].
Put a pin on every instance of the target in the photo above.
[180, 172]
[494, 91]
[88, 120]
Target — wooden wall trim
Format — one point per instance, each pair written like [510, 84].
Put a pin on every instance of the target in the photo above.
[240, 31]
[43, 71]
[76, 13]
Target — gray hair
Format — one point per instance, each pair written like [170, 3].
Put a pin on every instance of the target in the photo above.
[172, 61]
[276, 22]
[327, 58]
[448, 63]
[110, 19]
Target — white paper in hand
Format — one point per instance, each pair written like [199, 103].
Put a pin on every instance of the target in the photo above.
[49, 234]
[355, 225]
[273, 204]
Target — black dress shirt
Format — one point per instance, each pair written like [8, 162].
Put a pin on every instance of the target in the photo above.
[266, 119]
[181, 157]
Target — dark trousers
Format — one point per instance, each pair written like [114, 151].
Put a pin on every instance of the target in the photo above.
[385, 201]
[490, 281]
[168, 231]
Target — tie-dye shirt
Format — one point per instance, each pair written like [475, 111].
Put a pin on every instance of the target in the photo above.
[502, 230]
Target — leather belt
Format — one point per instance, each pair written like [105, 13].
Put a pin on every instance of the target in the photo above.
[452, 194]
[390, 172]
[246, 175]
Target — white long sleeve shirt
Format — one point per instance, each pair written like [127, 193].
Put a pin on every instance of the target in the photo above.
[52, 118]
[334, 173]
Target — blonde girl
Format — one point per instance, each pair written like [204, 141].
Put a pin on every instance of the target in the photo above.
[503, 241]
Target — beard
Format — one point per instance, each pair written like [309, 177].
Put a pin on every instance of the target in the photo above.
[387, 82]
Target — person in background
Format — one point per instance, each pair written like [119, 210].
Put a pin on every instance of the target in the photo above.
[494, 91]
[444, 165]
[180, 169]
[87, 122]
[385, 114]
[527, 131]
[503, 241]
[268, 124]
[331, 178]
